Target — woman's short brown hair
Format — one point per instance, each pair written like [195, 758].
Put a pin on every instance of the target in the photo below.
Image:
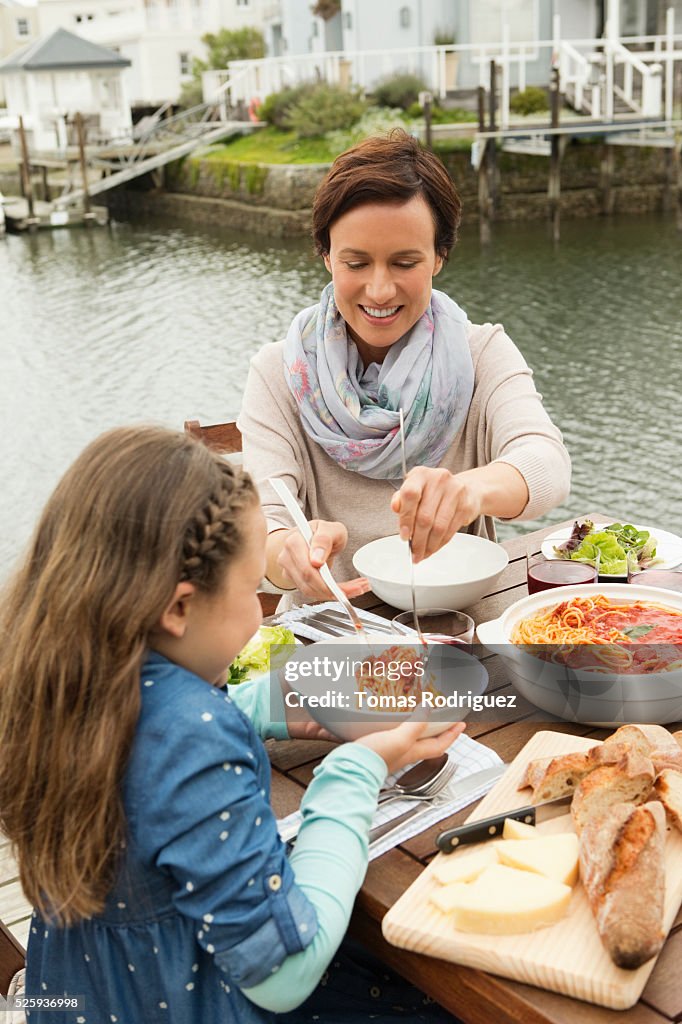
[387, 169]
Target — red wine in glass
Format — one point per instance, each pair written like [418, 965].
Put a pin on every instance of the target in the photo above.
[669, 579]
[550, 573]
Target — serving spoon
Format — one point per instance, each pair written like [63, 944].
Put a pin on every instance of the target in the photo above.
[304, 528]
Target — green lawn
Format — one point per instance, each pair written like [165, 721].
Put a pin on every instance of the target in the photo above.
[271, 146]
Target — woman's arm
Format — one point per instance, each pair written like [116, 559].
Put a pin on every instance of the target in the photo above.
[525, 469]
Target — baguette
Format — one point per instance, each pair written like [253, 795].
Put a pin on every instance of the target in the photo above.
[668, 786]
[677, 736]
[623, 873]
[644, 739]
[554, 777]
[628, 779]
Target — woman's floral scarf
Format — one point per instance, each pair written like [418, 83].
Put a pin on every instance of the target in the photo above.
[352, 411]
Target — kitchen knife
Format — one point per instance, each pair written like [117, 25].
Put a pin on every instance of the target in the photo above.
[491, 828]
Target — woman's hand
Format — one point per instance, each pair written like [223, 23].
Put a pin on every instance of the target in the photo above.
[432, 505]
[298, 566]
[407, 743]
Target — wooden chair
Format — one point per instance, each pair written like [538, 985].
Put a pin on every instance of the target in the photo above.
[227, 438]
[223, 437]
[12, 958]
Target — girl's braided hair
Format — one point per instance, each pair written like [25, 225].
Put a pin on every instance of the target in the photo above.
[213, 535]
[140, 510]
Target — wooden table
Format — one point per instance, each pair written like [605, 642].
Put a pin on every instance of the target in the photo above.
[473, 996]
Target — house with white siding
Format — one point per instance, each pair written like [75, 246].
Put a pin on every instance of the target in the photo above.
[160, 38]
[18, 27]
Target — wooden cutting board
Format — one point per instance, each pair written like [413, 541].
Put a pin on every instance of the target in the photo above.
[567, 957]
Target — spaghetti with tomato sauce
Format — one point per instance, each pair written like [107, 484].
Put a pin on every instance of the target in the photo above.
[605, 635]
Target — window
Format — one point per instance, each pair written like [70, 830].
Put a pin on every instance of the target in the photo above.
[315, 30]
[487, 19]
[349, 20]
[22, 27]
[405, 17]
[185, 63]
[243, 3]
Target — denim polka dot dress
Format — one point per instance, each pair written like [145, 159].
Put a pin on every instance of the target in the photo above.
[205, 901]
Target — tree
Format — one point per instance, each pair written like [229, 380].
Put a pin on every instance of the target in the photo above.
[223, 46]
[326, 9]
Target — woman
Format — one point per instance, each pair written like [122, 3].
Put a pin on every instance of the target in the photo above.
[321, 408]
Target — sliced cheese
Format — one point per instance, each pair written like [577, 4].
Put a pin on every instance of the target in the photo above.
[447, 897]
[554, 856]
[518, 830]
[505, 901]
[464, 867]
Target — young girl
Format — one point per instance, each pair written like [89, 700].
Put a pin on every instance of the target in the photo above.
[134, 790]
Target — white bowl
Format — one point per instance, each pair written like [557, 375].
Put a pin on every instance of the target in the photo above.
[455, 577]
[582, 695]
[454, 672]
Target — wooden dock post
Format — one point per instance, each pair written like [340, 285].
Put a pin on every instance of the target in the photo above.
[492, 143]
[606, 166]
[26, 173]
[554, 185]
[483, 185]
[84, 166]
[677, 163]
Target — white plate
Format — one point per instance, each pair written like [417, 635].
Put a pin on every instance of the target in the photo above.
[668, 546]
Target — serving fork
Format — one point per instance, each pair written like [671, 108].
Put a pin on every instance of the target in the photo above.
[336, 623]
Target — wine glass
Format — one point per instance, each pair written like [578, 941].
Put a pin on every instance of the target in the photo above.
[547, 573]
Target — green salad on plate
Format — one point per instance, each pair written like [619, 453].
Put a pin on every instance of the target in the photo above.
[254, 658]
[614, 543]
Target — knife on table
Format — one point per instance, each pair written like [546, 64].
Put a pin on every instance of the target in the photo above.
[455, 791]
[491, 828]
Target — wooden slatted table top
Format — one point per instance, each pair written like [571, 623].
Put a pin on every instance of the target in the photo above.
[473, 996]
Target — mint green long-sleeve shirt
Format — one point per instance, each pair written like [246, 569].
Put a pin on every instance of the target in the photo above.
[330, 857]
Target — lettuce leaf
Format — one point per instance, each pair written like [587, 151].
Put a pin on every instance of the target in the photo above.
[612, 557]
[254, 657]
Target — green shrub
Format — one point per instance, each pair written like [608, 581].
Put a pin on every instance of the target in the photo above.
[453, 115]
[375, 121]
[532, 100]
[325, 109]
[275, 108]
[399, 90]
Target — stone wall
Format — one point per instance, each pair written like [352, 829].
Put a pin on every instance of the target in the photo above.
[275, 200]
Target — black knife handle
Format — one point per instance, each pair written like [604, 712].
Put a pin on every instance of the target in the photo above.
[478, 831]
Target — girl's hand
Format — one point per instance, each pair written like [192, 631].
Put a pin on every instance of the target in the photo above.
[433, 504]
[309, 730]
[407, 743]
[299, 566]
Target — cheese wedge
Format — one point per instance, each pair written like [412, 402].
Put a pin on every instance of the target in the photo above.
[518, 830]
[554, 856]
[505, 901]
[464, 867]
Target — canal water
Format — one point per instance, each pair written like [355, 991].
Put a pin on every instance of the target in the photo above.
[157, 322]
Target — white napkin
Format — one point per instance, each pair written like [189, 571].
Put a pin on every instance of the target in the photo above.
[470, 757]
[292, 619]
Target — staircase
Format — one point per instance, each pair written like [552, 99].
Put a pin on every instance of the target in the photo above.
[163, 142]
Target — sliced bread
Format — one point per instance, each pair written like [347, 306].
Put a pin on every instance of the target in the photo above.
[630, 779]
[668, 786]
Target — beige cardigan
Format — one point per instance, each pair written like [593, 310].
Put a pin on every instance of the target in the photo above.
[506, 423]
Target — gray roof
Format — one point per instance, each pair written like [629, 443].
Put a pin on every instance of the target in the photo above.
[62, 51]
